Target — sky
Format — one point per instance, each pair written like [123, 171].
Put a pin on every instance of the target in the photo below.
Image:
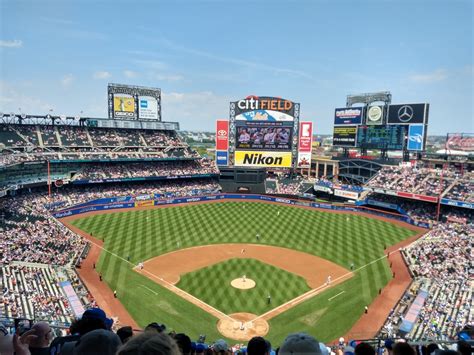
[61, 55]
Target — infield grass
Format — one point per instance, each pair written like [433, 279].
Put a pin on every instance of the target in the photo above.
[340, 238]
[212, 285]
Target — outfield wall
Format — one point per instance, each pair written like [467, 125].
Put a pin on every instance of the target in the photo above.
[130, 202]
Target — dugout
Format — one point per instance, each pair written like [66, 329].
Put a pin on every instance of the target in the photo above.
[242, 180]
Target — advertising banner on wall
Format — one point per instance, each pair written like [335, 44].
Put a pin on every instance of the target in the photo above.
[222, 142]
[305, 144]
[348, 116]
[417, 196]
[416, 137]
[148, 108]
[222, 135]
[262, 159]
[222, 158]
[346, 194]
[345, 136]
[408, 113]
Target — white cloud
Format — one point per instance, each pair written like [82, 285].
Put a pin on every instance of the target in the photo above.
[237, 61]
[67, 79]
[102, 75]
[130, 73]
[16, 43]
[427, 78]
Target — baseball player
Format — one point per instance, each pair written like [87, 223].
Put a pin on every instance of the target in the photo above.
[328, 281]
[242, 251]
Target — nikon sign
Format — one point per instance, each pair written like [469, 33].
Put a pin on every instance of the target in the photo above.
[263, 159]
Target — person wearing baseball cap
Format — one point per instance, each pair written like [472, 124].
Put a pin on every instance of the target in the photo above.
[300, 343]
[220, 347]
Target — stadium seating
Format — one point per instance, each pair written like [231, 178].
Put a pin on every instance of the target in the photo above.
[440, 263]
[423, 181]
[62, 142]
[33, 292]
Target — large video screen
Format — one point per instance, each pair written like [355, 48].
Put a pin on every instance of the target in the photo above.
[134, 102]
[381, 137]
[264, 137]
[264, 131]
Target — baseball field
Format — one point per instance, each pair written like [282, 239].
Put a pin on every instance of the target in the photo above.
[191, 253]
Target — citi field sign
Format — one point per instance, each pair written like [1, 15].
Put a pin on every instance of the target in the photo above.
[264, 108]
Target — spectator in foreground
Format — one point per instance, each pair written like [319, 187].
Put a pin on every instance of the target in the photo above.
[403, 349]
[125, 333]
[97, 342]
[92, 319]
[300, 343]
[44, 335]
[183, 342]
[364, 349]
[220, 347]
[150, 343]
[258, 346]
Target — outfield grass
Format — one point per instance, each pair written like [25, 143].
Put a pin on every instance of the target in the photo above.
[340, 238]
[212, 285]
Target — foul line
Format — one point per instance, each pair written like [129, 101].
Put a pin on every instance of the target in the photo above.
[340, 293]
[149, 289]
[311, 293]
[168, 285]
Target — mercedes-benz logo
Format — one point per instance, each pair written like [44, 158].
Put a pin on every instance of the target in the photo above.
[405, 113]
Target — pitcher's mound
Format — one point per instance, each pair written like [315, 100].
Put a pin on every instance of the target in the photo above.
[243, 284]
[241, 327]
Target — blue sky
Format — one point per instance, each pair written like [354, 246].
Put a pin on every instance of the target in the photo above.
[61, 54]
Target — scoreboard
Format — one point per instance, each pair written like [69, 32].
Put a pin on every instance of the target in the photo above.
[389, 127]
[381, 137]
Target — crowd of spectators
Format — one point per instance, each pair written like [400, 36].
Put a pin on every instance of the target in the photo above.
[29, 234]
[441, 265]
[33, 292]
[424, 181]
[93, 334]
[13, 136]
[149, 169]
[68, 196]
[462, 190]
[21, 143]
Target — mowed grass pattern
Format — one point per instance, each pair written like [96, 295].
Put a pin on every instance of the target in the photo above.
[340, 238]
[212, 285]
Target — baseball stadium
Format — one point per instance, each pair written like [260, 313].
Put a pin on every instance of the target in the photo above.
[124, 231]
[136, 224]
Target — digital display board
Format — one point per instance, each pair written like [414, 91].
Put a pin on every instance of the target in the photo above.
[345, 136]
[381, 137]
[134, 102]
[264, 136]
[264, 131]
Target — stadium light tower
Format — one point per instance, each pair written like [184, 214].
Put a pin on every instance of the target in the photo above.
[368, 98]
